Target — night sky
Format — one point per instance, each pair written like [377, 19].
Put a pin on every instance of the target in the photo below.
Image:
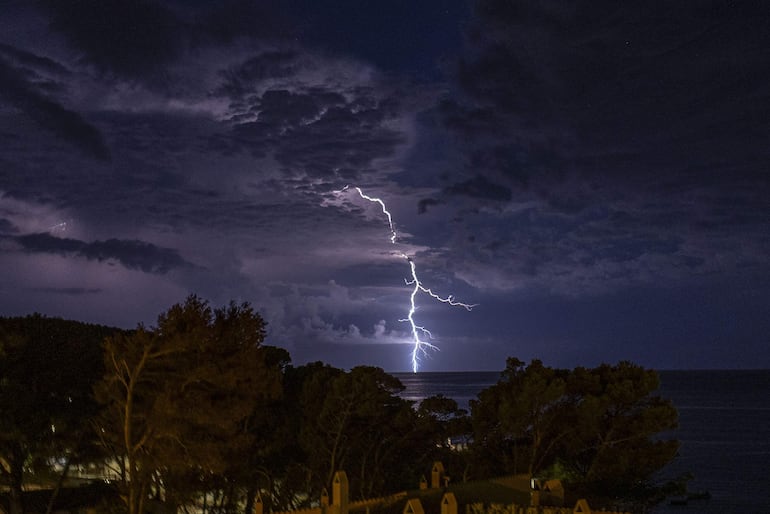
[595, 175]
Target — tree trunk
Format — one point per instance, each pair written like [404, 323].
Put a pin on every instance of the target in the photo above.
[59, 483]
[16, 482]
[251, 493]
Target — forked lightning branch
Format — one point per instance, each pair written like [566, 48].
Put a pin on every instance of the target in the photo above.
[420, 346]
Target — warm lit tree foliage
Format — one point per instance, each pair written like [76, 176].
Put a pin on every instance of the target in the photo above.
[196, 412]
[330, 419]
[177, 399]
[357, 422]
[234, 490]
[599, 428]
[356, 425]
[47, 370]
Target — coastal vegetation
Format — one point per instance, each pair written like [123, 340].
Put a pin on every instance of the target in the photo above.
[198, 411]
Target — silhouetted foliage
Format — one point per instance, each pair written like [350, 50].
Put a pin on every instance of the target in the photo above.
[598, 429]
[330, 419]
[48, 367]
[450, 429]
[198, 411]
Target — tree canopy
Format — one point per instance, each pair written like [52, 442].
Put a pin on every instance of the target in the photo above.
[176, 398]
[197, 411]
[600, 429]
[47, 370]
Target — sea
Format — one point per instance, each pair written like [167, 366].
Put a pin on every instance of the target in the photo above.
[724, 431]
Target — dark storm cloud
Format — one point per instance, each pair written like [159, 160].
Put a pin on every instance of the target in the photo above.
[70, 291]
[425, 203]
[641, 127]
[240, 80]
[31, 62]
[226, 21]
[67, 125]
[139, 40]
[342, 142]
[602, 89]
[482, 188]
[134, 254]
[131, 39]
[582, 151]
[7, 227]
[322, 128]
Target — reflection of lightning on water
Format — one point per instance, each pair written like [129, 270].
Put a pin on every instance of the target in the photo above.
[420, 346]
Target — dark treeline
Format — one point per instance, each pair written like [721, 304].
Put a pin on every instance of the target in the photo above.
[198, 411]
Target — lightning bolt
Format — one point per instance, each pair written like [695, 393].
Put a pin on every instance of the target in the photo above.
[384, 211]
[59, 226]
[421, 346]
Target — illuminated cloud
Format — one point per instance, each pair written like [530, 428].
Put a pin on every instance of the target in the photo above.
[572, 169]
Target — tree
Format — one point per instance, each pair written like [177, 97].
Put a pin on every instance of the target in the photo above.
[600, 427]
[528, 408]
[47, 370]
[290, 476]
[446, 424]
[616, 448]
[356, 421]
[391, 445]
[176, 398]
[271, 448]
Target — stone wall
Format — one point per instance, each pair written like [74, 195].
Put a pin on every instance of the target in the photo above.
[340, 503]
[581, 507]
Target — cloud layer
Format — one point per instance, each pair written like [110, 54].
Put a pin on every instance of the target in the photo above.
[568, 156]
